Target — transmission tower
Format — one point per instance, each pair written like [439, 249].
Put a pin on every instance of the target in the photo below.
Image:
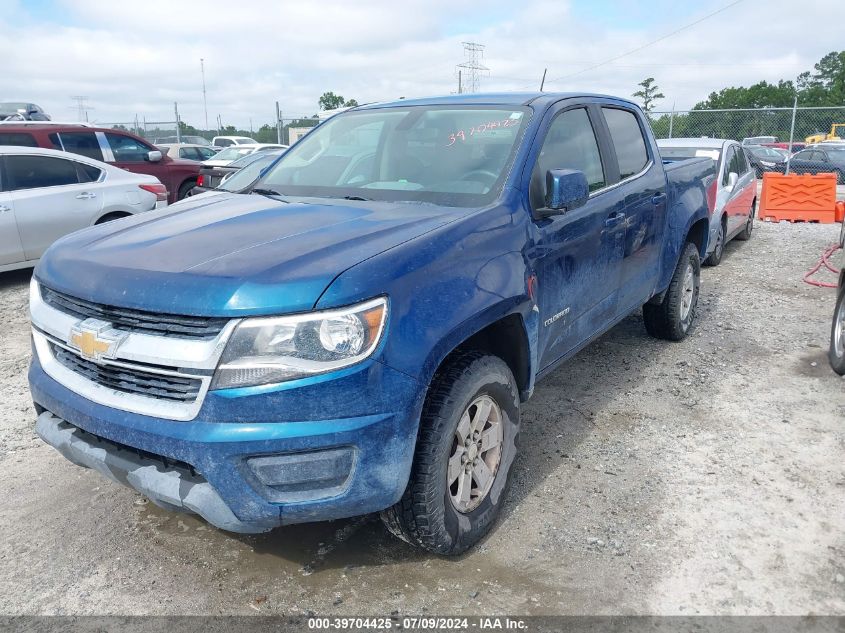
[471, 71]
[81, 108]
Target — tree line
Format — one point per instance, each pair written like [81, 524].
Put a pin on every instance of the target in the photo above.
[824, 86]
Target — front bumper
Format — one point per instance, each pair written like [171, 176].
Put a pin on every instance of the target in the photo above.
[247, 475]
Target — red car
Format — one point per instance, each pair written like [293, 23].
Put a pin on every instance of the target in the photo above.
[117, 147]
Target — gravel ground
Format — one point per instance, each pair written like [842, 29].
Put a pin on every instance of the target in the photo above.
[699, 477]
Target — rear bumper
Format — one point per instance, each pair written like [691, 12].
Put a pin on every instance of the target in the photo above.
[245, 476]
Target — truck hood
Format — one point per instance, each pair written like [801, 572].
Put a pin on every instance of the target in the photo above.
[230, 254]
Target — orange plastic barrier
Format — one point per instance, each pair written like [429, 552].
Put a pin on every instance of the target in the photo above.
[798, 198]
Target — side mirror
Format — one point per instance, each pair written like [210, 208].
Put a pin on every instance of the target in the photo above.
[566, 189]
[733, 177]
[154, 156]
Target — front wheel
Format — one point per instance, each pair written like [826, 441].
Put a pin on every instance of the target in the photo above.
[465, 449]
[836, 354]
[672, 318]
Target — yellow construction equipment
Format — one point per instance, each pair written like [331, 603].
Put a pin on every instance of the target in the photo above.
[832, 136]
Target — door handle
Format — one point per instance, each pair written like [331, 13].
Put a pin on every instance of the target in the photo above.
[659, 198]
[614, 219]
[85, 195]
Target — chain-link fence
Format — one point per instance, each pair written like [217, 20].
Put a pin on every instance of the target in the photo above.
[812, 125]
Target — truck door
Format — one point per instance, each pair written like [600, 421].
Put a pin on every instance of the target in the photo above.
[576, 255]
[642, 185]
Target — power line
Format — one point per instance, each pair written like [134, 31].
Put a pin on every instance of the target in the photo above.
[474, 68]
[81, 108]
[652, 42]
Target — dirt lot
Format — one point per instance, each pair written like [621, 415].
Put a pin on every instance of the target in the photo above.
[700, 477]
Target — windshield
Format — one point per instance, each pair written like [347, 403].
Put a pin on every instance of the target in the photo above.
[232, 153]
[690, 152]
[454, 156]
[245, 176]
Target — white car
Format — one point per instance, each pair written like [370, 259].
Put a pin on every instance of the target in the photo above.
[45, 194]
[188, 151]
[230, 154]
[227, 141]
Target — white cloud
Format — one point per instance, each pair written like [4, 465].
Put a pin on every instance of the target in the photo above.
[139, 57]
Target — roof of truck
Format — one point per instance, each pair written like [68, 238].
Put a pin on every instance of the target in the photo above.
[493, 98]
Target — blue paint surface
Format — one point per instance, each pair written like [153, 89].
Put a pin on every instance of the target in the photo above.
[448, 272]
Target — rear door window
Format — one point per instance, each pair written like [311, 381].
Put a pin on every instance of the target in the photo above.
[21, 139]
[628, 141]
[34, 172]
[127, 149]
[83, 143]
[87, 173]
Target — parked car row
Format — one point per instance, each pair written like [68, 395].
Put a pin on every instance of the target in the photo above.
[815, 159]
[115, 147]
[246, 168]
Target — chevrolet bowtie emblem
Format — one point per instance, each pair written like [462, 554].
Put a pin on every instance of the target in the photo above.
[95, 339]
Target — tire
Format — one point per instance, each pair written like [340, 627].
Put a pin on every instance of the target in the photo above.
[185, 189]
[745, 234]
[715, 257]
[427, 515]
[836, 353]
[672, 318]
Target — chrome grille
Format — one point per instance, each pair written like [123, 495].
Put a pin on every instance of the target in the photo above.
[131, 380]
[140, 321]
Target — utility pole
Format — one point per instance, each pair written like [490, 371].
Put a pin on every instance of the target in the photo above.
[81, 108]
[178, 125]
[791, 133]
[671, 119]
[459, 82]
[474, 68]
[278, 124]
[204, 102]
[543, 80]
[219, 125]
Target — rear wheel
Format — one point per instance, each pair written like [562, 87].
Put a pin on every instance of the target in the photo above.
[836, 354]
[466, 445]
[745, 234]
[716, 256]
[185, 189]
[112, 216]
[673, 317]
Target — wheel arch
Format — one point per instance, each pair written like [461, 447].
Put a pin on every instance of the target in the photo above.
[504, 335]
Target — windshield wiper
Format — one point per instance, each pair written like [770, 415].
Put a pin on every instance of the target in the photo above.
[357, 198]
[268, 192]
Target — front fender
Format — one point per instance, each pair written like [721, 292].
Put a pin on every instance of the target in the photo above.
[444, 287]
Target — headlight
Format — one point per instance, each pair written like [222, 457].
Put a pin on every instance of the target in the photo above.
[766, 163]
[275, 349]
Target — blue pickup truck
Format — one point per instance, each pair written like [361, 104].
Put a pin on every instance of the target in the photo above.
[357, 330]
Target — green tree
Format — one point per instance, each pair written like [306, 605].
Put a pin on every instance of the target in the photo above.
[330, 101]
[649, 93]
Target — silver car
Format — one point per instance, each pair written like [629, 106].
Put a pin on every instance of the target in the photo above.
[45, 194]
[735, 195]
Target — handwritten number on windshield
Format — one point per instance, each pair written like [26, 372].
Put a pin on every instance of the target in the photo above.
[461, 135]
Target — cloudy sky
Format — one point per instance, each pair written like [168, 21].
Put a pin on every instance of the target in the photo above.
[134, 57]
